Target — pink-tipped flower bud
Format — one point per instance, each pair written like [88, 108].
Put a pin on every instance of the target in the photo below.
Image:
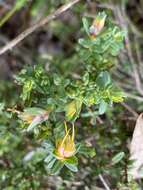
[66, 148]
[97, 25]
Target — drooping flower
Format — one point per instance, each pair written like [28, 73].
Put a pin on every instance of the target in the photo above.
[97, 25]
[65, 148]
[27, 118]
[34, 116]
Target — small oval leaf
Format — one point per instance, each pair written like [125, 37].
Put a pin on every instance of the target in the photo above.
[117, 158]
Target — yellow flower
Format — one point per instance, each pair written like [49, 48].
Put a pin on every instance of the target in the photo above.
[66, 148]
[97, 25]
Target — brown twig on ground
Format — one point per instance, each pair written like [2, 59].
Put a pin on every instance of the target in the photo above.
[104, 182]
[34, 27]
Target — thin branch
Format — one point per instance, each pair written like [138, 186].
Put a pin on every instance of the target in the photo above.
[104, 182]
[7, 16]
[105, 6]
[130, 55]
[133, 112]
[121, 16]
[134, 29]
[34, 27]
[139, 57]
[132, 96]
[99, 120]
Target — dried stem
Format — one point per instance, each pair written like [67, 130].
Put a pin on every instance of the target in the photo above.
[120, 15]
[104, 182]
[133, 112]
[34, 27]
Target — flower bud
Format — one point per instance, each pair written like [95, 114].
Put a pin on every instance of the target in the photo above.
[27, 118]
[97, 25]
[66, 148]
[34, 116]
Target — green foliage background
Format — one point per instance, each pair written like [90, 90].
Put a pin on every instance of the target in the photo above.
[71, 77]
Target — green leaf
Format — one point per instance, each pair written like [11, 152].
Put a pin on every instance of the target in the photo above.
[59, 130]
[34, 111]
[78, 145]
[103, 79]
[117, 94]
[115, 49]
[72, 160]
[20, 3]
[51, 163]
[48, 158]
[57, 80]
[87, 151]
[106, 44]
[73, 109]
[85, 25]
[2, 106]
[119, 36]
[86, 78]
[58, 165]
[102, 107]
[48, 146]
[27, 88]
[72, 167]
[38, 156]
[117, 158]
[85, 43]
